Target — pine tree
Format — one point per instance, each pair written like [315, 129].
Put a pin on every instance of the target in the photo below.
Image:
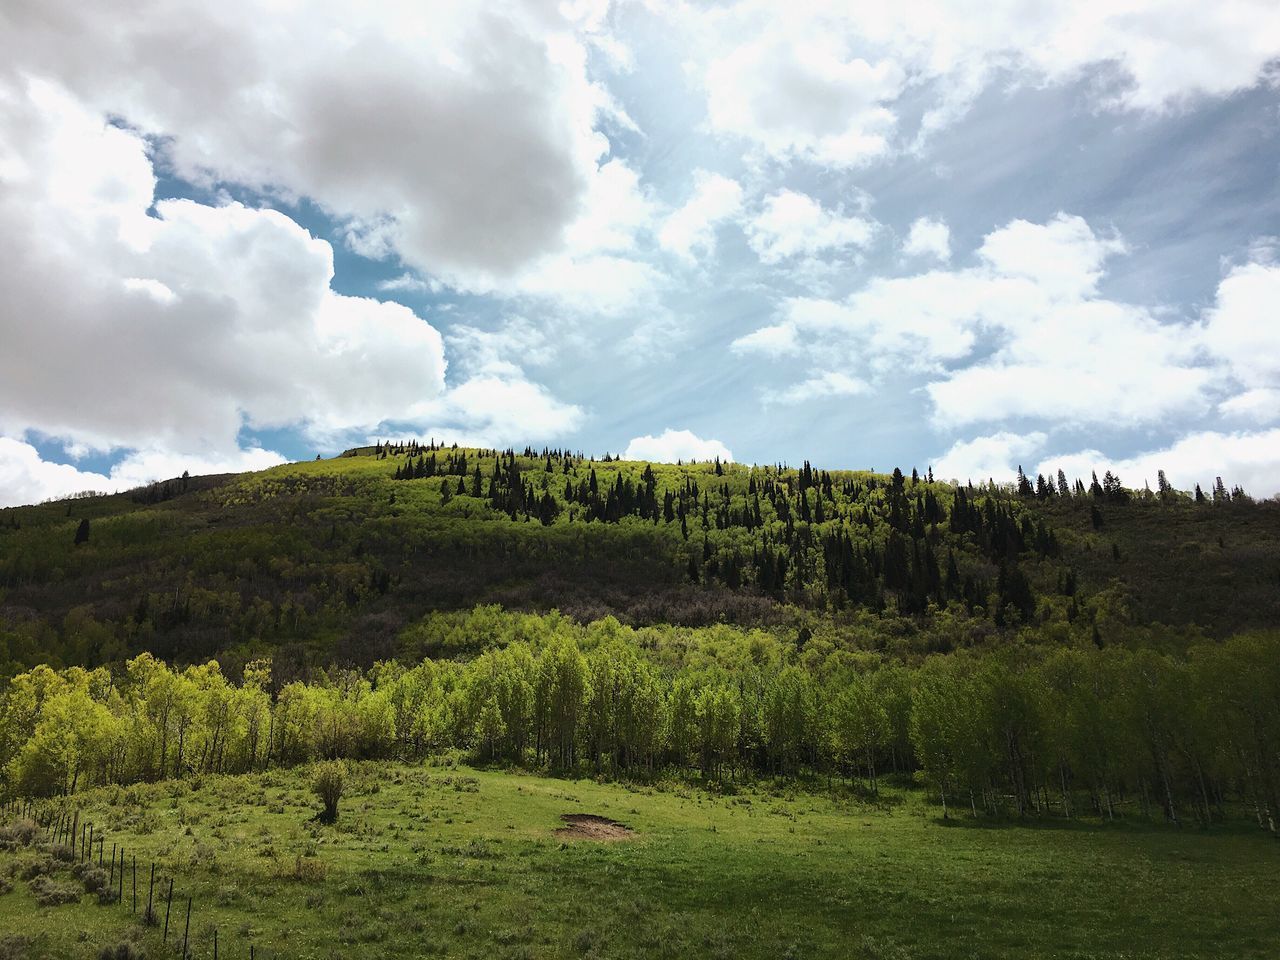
[82, 532]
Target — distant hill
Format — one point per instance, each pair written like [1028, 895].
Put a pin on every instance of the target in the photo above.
[332, 560]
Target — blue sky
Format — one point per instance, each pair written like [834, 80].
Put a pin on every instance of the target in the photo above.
[967, 237]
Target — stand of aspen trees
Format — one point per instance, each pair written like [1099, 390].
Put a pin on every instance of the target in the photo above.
[1063, 731]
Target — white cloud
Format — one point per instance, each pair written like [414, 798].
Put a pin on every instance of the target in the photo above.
[166, 334]
[1023, 334]
[673, 445]
[461, 136]
[792, 224]
[174, 330]
[928, 238]
[1261, 405]
[600, 271]
[803, 93]
[25, 477]
[1064, 257]
[408, 283]
[499, 410]
[985, 458]
[826, 80]
[513, 345]
[775, 340]
[1249, 460]
[1242, 327]
[690, 231]
[597, 286]
[829, 384]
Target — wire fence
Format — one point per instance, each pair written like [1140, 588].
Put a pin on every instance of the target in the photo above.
[154, 894]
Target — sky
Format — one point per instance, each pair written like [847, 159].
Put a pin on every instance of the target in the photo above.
[960, 236]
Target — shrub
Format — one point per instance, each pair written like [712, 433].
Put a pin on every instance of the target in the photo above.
[306, 870]
[5, 886]
[62, 852]
[37, 868]
[121, 951]
[50, 893]
[14, 946]
[328, 783]
[94, 878]
[20, 833]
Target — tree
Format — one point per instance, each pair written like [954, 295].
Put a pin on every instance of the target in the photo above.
[938, 732]
[82, 532]
[861, 725]
[328, 783]
[490, 728]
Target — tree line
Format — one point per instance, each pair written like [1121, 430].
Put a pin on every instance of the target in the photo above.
[1019, 730]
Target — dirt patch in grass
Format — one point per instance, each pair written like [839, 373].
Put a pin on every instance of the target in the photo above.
[588, 826]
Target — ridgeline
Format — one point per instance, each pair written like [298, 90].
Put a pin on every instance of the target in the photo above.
[333, 561]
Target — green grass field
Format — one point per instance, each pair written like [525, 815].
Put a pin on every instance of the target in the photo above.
[441, 861]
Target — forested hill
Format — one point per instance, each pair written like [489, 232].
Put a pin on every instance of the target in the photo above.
[335, 560]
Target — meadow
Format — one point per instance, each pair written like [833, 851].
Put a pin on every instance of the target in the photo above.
[446, 860]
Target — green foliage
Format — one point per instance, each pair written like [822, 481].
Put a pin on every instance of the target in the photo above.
[328, 781]
[329, 561]
[1025, 730]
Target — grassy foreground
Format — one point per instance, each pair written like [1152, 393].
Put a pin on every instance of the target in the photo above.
[440, 861]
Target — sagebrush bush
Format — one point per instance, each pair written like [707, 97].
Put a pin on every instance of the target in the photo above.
[121, 951]
[20, 833]
[93, 879]
[37, 868]
[61, 852]
[50, 893]
[307, 870]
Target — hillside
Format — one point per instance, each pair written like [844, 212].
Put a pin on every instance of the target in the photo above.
[331, 561]
[692, 692]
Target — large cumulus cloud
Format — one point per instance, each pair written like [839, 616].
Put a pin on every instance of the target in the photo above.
[461, 134]
[174, 330]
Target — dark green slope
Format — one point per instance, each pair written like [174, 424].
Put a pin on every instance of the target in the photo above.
[332, 559]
